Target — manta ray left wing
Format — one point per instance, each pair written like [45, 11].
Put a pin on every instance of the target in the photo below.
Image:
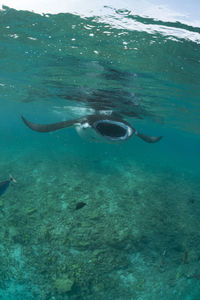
[53, 126]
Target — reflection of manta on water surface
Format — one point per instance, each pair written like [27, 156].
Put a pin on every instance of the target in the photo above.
[108, 105]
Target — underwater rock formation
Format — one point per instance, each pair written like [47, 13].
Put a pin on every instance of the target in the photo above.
[63, 284]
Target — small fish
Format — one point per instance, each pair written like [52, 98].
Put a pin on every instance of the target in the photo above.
[80, 205]
[5, 184]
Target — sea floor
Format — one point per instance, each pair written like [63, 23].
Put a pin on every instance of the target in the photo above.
[137, 237]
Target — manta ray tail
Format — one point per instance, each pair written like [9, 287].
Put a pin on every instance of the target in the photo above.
[148, 139]
[51, 127]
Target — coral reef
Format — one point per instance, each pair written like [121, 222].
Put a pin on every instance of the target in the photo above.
[131, 232]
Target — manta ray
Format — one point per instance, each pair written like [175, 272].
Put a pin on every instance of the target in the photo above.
[111, 129]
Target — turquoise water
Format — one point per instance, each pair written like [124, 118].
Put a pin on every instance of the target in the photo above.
[137, 237]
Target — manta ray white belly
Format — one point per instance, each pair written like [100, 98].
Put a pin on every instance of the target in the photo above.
[88, 133]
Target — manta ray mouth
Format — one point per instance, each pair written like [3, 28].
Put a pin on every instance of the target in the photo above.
[113, 130]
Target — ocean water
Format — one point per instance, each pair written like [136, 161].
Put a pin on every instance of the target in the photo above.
[138, 235]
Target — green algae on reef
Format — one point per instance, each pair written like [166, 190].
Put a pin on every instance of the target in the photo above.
[63, 284]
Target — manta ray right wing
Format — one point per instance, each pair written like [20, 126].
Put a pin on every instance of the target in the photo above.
[53, 126]
[147, 138]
